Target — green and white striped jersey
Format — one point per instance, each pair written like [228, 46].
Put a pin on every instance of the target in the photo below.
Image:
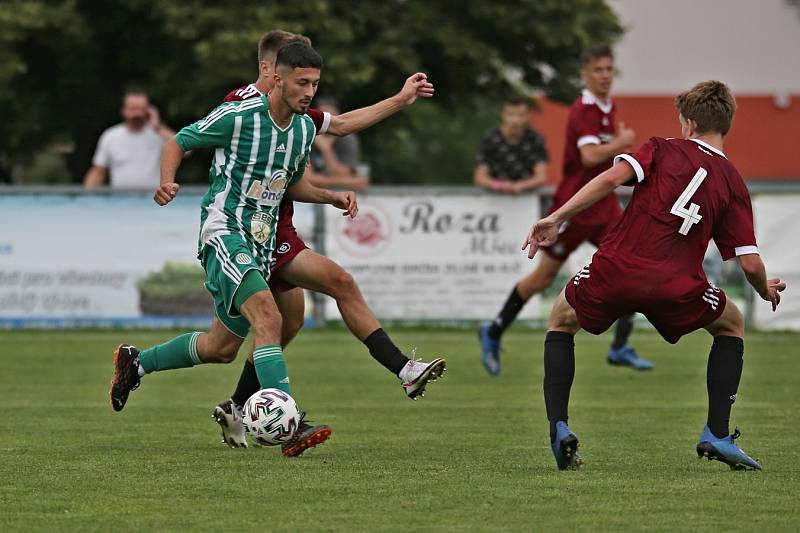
[255, 162]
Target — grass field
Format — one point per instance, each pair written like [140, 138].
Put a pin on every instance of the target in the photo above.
[471, 456]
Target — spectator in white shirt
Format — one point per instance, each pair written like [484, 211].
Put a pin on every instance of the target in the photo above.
[128, 154]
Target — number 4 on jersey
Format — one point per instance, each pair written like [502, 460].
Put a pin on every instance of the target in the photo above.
[691, 214]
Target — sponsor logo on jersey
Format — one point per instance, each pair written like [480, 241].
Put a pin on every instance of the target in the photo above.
[281, 149]
[243, 259]
[284, 247]
[261, 227]
[269, 193]
[605, 121]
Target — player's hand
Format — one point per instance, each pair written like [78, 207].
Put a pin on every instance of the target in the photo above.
[626, 136]
[416, 86]
[166, 193]
[543, 233]
[346, 201]
[773, 295]
[153, 117]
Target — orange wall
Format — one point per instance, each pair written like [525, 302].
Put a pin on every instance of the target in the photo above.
[764, 142]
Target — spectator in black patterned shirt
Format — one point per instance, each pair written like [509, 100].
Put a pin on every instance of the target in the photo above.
[512, 158]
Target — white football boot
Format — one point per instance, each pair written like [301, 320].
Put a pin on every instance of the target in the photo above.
[417, 373]
[229, 417]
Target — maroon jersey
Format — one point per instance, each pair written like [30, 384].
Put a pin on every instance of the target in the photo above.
[687, 193]
[590, 122]
[321, 120]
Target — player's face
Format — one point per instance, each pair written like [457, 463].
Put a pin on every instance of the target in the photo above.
[598, 75]
[298, 87]
[514, 117]
[135, 110]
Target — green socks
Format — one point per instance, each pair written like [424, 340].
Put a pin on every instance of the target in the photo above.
[180, 352]
[271, 368]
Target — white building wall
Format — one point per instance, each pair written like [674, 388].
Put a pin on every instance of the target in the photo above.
[752, 45]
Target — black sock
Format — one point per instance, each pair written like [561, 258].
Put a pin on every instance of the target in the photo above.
[623, 331]
[559, 371]
[247, 386]
[383, 350]
[507, 315]
[722, 378]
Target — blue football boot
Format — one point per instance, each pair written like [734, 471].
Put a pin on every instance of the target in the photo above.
[565, 448]
[490, 351]
[627, 356]
[725, 450]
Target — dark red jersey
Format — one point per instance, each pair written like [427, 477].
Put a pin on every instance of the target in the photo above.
[321, 120]
[686, 193]
[590, 122]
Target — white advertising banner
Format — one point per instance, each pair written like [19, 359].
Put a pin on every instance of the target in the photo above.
[83, 259]
[776, 230]
[101, 260]
[438, 257]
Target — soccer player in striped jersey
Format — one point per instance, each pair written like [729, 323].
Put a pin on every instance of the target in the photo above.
[296, 266]
[262, 148]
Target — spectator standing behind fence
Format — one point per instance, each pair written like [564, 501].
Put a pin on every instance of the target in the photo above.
[128, 154]
[512, 158]
[335, 160]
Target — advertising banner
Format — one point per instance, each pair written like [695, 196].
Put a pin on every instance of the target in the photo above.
[98, 260]
[776, 220]
[440, 257]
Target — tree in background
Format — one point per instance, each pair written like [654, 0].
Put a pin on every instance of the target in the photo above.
[65, 64]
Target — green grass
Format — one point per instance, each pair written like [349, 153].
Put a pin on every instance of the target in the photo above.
[471, 456]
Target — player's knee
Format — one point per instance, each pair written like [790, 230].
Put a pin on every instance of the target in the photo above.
[220, 350]
[228, 352]
[729, 324]
[734, 322]
[342, 283]
[563, 317]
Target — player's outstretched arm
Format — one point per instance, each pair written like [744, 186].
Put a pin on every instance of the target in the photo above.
[303, 191]
[416, 86]
[545, 231]
[171, 157]
[756, 274]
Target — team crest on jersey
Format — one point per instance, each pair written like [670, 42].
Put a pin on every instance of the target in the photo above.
[261, 227]
[243, 259]
[270, 191]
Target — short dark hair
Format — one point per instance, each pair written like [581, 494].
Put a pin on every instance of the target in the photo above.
[516, 100]
[134, 91]
[274, 40]
[596, 52]
[710, 104]
[298, 55]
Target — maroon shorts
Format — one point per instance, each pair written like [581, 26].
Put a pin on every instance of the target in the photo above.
[600, 294]
[287, 245]
[573, 235]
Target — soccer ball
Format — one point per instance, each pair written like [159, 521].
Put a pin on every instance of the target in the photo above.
[271, 417]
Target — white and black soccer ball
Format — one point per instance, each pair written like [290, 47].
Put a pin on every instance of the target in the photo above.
[271, 417]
